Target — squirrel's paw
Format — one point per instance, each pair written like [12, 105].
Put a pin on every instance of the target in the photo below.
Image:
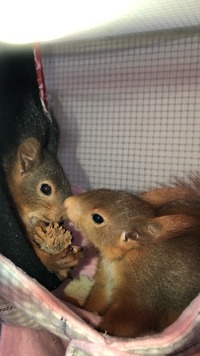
[70, 256]
[78, 290]
[62, 262]
[67, 259]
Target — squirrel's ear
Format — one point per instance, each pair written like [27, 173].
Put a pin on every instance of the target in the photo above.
[53, 131]
[148, 231]
[169, 226]
[29, 153]
[130, 236]
[54, 136]
[160, 228]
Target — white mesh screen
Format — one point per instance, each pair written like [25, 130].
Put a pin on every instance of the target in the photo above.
[128, 108]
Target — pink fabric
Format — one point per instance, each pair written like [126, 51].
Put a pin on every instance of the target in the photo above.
[40, 74]
[18, 341]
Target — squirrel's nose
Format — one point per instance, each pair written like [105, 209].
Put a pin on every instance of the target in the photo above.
[72, 208]
[69, 202]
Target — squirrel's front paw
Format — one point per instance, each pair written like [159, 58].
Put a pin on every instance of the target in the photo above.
[70, 256]
[52, 244]
[67, 259]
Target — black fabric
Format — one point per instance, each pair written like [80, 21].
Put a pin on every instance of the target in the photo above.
[21, 116]
[21, 112]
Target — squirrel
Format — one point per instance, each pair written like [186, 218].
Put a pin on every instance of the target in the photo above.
[29, 138]
[38, 187]
[149, 266]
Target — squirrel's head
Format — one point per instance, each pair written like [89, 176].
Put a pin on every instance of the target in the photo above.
[37, 183]
[107, 217]
[117, 222]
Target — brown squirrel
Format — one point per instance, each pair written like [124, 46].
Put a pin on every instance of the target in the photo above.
[149, 266]
[38, 187]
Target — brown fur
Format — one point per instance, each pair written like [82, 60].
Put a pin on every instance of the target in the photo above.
[179, 190]
[26, 171]
[149, 267]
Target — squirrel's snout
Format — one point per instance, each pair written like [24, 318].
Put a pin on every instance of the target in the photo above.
[70, 205]
[69, 202]
[46, 216]
[72, 209]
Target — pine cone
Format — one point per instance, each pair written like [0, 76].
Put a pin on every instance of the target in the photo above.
[52, 238]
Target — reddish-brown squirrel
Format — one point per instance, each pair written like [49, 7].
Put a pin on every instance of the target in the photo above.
[38, 187]
[149, 266]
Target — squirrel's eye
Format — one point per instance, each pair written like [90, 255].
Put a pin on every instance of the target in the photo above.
[45, 189]
[97, 218]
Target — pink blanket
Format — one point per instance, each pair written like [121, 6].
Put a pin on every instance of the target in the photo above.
[36, 322]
